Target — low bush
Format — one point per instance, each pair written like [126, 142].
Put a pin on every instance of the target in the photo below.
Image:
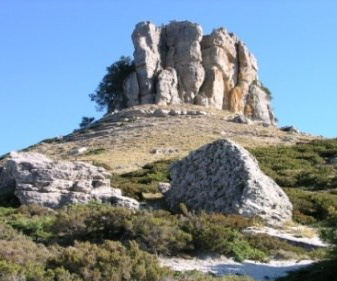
[212, 233]
[144, 180]
[312, 207]
[159, 232]
[301, 165]
[108, 261]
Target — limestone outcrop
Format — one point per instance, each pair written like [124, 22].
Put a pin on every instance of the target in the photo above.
[176, 63]
[224, 177]
[34, 178]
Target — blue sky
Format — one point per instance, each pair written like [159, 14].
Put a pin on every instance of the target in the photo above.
[54, 53]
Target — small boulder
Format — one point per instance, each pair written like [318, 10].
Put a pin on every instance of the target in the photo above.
[164, 150]
[163, 187]
[289, 129]
[160, 112]
[125, 202]
[78, 150]
[241, 119]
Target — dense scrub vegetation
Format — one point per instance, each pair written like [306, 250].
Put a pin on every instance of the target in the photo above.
[307, 174]
[145, 180]
[301, 165]
[100, 242]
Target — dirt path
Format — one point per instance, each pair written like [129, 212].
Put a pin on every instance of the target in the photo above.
[224, 266]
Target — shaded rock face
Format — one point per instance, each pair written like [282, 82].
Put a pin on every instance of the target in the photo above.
[224, 177]
[39, 180]
[175, 63]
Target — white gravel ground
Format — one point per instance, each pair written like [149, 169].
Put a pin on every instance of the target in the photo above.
[225, 266]
[297, 234]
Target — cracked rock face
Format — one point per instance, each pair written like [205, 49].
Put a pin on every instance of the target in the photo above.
[224, 177]
[176, 63]
[40, 180]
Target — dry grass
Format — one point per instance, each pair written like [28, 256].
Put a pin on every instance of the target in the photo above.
[298, 230]
[127, 143]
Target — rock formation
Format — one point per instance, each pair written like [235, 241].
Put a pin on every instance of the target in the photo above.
[34, 178]
[224, 177]
[175, 64]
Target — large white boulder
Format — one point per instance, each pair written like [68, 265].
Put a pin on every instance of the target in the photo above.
[40, 180]
[224, 177]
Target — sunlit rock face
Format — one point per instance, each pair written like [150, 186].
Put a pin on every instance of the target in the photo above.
[36, 179]
[176, 63]
[224, 177]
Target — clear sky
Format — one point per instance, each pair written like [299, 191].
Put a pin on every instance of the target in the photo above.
[54, 53]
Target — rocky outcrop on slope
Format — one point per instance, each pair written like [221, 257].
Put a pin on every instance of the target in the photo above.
[224, 177]
[175, 63]
[34, 178]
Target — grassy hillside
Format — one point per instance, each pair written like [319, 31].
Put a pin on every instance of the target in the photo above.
[126, 142]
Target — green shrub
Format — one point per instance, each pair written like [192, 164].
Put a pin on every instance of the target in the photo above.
[23, 250]
[144, 180]
[211, 233]
[274, 247]
[160, 234]
[311, 207]
[108, 261]
[301, 165]
[37, 227]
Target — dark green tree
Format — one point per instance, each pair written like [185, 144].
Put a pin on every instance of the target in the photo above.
[86, 121]
[109, 93]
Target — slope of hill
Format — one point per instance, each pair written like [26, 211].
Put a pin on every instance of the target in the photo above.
[128, 140]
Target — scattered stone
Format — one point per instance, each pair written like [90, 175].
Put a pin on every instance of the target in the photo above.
[36, 179]
[200, 112]
[163, 187]
[175, 112]
[289, 129]
[78, 150]
[241, 119]
[125, 202]
[192, 112]
[164, 150]
[224, 177]
[160, 112]
[264, 124]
